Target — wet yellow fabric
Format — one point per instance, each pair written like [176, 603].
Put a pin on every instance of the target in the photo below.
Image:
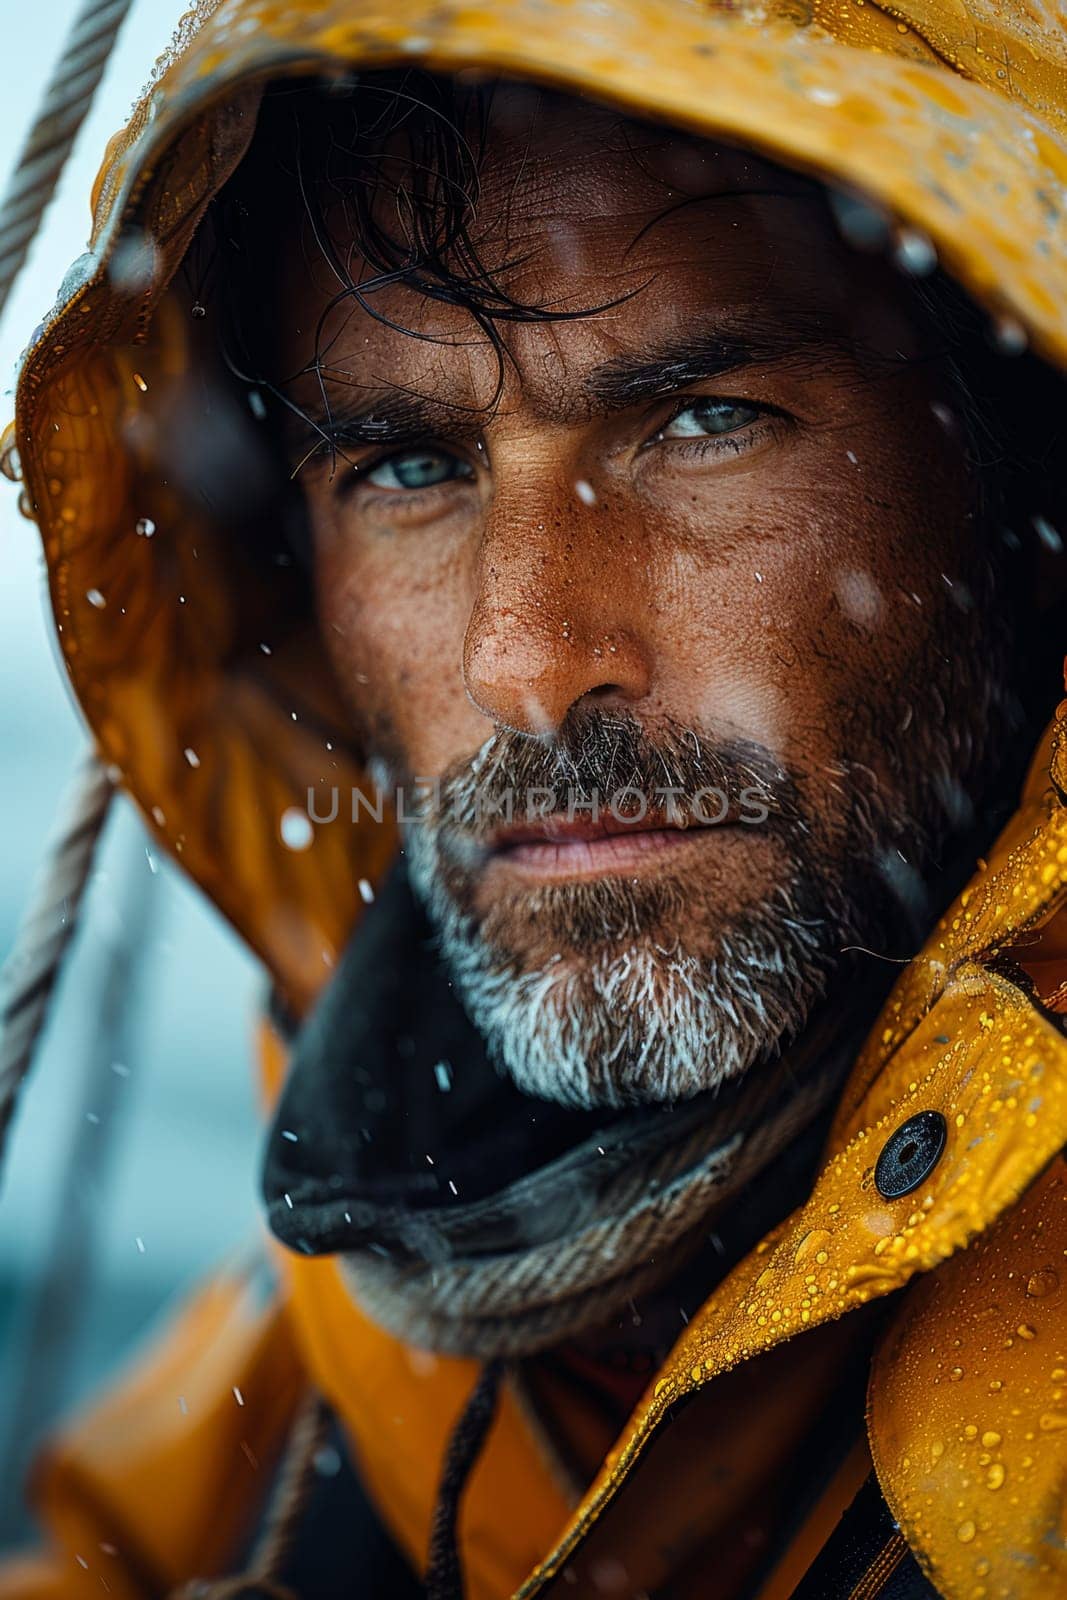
[952, 114]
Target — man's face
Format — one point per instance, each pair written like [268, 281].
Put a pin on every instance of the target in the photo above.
[712, 532]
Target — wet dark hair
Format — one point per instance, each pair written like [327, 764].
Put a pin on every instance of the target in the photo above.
[387, 171]
[383, 173]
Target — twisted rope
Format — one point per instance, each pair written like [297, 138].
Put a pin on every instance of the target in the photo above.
[28, 977]
[66, 101]
[260, 1580]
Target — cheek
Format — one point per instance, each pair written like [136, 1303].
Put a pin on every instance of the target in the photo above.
[805, 603]
[394, 633]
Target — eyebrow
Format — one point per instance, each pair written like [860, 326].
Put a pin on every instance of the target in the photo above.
[395, 417]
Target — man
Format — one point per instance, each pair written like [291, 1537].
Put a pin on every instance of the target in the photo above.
[645, 536]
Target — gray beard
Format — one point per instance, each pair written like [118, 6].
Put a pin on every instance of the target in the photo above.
[621, 1012]
[633, 1021]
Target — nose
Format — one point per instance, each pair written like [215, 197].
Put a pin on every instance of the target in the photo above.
[559, 616]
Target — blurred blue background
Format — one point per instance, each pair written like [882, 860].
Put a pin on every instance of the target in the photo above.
[132, 1164]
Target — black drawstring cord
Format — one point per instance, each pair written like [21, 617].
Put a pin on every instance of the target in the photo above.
[444, 1575]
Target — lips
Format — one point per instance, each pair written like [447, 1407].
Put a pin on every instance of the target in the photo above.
[558, 829]
[575, 847]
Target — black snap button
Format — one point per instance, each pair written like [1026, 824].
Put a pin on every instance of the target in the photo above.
[911, 1154]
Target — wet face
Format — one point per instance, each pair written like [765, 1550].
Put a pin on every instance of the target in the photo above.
[706, 539]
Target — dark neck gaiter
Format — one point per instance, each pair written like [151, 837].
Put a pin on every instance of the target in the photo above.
[470, 1218]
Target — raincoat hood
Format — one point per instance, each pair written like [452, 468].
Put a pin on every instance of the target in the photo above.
[216, 719]
[219, 717]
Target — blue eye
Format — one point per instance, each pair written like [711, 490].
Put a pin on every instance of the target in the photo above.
[418, 469]
[705, 418]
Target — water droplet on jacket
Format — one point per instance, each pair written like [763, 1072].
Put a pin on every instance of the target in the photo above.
[955, 1374]
[1026, 1330]
[140, 382]
[198, 310]
[812, 1242]
[990, 1439]
[1039, 1284]
[995, 1476]
[295, 829]
[1052, 1421]
[966, 1532]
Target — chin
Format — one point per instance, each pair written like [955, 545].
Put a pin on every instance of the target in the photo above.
[639, 1021]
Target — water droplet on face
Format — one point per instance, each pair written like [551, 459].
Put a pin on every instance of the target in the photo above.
[145, 527]
[192, 758]
[296, 829]
[860, 598]
[140, 382]
[95, 598]
[366, 891]
[585, 492]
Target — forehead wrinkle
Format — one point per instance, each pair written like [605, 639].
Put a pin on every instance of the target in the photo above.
[545, 385]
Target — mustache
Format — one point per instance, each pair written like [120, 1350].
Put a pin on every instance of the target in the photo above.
[597, 755]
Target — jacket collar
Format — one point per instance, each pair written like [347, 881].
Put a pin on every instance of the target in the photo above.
[956, 1038]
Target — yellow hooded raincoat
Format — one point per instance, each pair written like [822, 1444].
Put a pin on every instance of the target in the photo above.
[952, 115]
